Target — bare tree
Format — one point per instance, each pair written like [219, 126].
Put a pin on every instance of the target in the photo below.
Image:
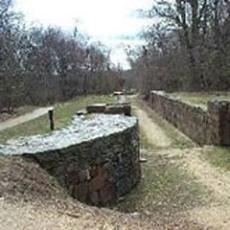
[189, 48]
[44, 65]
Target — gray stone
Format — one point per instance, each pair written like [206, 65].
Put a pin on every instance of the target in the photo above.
[97, 163]
[143, 160]
[209, 126]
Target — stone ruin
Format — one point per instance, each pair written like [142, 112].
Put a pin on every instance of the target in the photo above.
[95, 158]
[119, 108]
[206, 127]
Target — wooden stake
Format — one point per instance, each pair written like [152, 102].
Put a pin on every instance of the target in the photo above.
[51, 119]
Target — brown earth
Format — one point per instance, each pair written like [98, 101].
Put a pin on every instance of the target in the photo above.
[31, 199]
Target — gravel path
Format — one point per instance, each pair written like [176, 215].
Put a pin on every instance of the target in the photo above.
[24, 118]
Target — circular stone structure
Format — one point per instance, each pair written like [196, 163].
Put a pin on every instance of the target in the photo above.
[96, 158]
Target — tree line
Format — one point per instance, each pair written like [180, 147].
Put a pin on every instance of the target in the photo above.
[188, 49]
[44, 65]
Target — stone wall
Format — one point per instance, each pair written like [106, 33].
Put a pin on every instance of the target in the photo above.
[116, 108]
[204, 127]
[98, 171]
[95, 158]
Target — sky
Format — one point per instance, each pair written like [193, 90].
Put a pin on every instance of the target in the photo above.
[115, 23]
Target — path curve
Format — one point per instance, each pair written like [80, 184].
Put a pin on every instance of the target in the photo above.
[24, 118]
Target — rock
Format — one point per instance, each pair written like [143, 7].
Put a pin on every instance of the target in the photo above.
[84, 175]
[95, 160]
[99, 180]
[116, 108]
[204, 125]
[121, 199]
[80, 192]
[79, 130]
[143, 160]
[107, 193]
[96, 108]
[94, 197]
[135, 214]
[119, 109]
[81, 113]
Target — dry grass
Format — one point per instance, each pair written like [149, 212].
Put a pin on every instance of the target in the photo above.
[201, 99]
[218, 156]
[26, 180]
[31, 199]
[166, 188]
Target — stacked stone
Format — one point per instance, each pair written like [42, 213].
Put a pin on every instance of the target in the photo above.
[120, 108]
[204, 127]
[219, 122]
[99, 171]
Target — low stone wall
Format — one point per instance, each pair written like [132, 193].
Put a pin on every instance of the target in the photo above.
[119, 108]
[204, 127]
[99, 170]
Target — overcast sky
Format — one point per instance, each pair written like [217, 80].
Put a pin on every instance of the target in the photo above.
[113, 22]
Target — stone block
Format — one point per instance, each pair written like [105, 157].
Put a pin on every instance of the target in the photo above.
[98, 181]
[96, 108]
[107, 194]
[94, 198]
[84, 175]
[80, 192]
[119, 109]
[90, 171]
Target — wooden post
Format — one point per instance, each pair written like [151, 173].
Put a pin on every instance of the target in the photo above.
[51, 120]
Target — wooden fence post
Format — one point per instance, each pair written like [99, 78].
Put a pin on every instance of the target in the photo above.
[51, 119]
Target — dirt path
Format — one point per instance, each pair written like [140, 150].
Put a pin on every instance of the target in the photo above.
[153, 131]
[121, 99]
[215, 214]
[217, 180]
[24, 118]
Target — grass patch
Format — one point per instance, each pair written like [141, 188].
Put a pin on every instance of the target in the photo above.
[201, 99]
[62, 115]
[219, 157]
[164, 189]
